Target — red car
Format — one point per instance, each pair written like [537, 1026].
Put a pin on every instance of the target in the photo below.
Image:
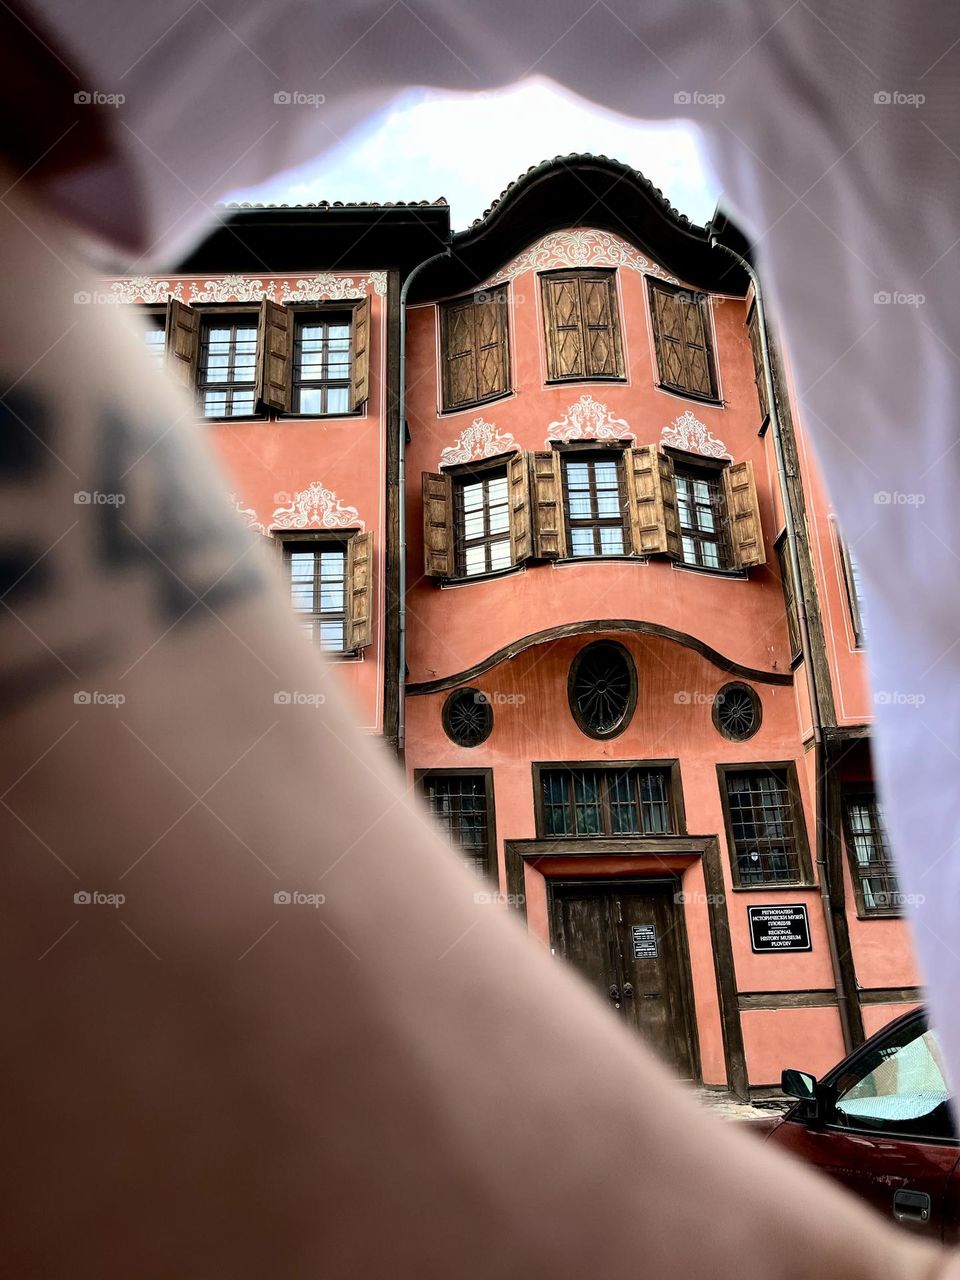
[882, 1123]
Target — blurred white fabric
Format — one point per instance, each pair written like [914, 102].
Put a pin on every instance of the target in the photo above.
[849, 185]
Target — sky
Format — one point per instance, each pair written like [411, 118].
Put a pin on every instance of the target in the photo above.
[468, 147]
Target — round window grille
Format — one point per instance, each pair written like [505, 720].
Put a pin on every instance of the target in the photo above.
[467, 717]
[736, 712]
[602, 689]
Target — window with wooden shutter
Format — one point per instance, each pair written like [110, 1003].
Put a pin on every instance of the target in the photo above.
[229, 371]
[275, 348]
[851, 578]
[651, 502]
[322, 379]
[182, 342]
[594, 505]
[476, 361]
[581, 325]
[743, 516]
[481, 515]
[318, 588]
[438, 534]
[789, 598]
[359, 625]
[681, 331]
[702, 513]
[550, 541]
[360, 381]
[759, 375]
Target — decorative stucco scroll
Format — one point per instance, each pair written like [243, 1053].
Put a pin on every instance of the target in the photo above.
[588, 419]
[579, 248]
[479, 440]
[688, 432]
[328, 286]
[314, 508]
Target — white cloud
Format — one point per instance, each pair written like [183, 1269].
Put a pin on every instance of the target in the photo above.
[468, 147]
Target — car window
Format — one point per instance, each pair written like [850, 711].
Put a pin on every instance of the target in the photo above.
[899, 1087]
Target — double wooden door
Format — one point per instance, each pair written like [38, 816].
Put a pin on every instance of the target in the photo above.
[628, 940]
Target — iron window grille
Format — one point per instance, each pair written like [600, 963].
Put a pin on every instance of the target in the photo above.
[460, 802]
[765, 827]
[467, 717]
[602, 689]
[871, 861]
[737, 711]
[606, 802]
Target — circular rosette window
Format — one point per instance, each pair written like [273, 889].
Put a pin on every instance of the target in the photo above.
[736, 711]
[602, 689]
[467, 717]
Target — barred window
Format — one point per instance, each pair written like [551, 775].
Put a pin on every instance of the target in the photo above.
[318, 590]
[594, 506]
[606, 802]
[871, 862]
[228, 366]
[765, 826]
[460, 803]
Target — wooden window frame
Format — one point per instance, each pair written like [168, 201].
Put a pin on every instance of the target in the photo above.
[789, 599]
[703, 298]
[462, 475]
[327, 311]
[553, 378]
[210, 313]
[311, 537]
[863, 792]
[804, 866]
[590, 452]
[422, 776]
[759, 374]
[478, 297]
[669, 766]
[685, 464]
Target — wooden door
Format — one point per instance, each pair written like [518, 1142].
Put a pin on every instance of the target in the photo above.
[627, 940]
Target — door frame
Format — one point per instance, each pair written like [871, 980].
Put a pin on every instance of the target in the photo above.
[540, 856]
[603, 885]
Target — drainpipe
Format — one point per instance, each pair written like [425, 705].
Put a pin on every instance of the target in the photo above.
[402, 500]
[823, 872]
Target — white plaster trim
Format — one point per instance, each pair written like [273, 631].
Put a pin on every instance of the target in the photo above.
[479, 440]
[588, 419]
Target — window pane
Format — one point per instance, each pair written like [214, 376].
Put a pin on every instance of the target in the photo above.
[311, 400]
[611, 542]
[901, 1089]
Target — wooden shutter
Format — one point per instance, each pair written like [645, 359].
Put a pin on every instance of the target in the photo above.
[521, 527]
[360, 591]
[759, 376]
[682, 338]
[743, 515]
[275, 355]
[438, 540]
[475, 349]
[360, 363]
[651, 494]
[549, 525]
[182, 342]
[563, 331]
[601, 330]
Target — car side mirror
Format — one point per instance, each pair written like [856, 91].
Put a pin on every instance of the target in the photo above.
[799, 1084]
